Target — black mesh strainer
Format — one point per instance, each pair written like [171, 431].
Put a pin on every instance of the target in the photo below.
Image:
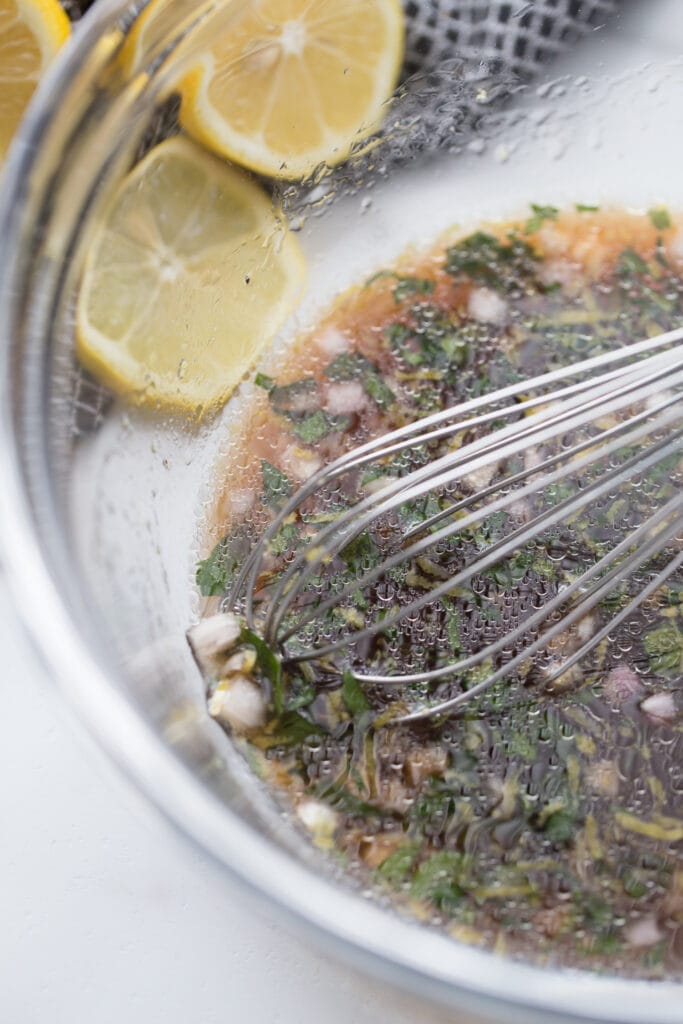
[523, 35]
[464, 59]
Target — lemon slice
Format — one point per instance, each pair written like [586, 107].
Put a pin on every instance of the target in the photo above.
[31, 32]
[296, 83]
[187, 278]
[163, 25]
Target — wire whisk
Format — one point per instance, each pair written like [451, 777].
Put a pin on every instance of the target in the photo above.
[519, 514]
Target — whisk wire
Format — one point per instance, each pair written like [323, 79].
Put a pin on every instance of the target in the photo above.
[575, 614]
[448, 469]
[364, 514]
[496, 552]
[245, 582]
[600, 426]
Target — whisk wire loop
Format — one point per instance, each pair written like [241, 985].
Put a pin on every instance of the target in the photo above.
[539, 452]
[403, 437]
[335, 537]
[495, 554]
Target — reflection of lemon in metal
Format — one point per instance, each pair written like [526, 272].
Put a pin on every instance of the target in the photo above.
[296, 83]
[31, 32]
[189, 275]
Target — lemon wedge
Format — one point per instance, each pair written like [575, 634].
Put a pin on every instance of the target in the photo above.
[188, 276]
[295, 83]
[31, 32]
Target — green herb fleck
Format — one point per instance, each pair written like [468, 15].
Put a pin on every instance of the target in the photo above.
[284, 540]
[560, 827]
[453, 631]
[604, 945]
[354, 366]
[361, 553]
[486, 260]
[396, 868]
[406, 285]
[439, 879]
[586, 208]
[292, 729]
[634, 886]
[664, 648]
[276, 486]
[215, 573]
[295, 398]
[523, 747]
[301, 693]
[269, 663]
[660, 218]
[412, 286]
[630, 262]
[262, 380]
[311, 428]
[432, 340]
[539, 216]
[356, 702]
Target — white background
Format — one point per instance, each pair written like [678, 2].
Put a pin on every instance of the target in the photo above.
[105, 914]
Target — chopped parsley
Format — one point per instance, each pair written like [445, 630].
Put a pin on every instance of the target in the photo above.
[262, 380]
[356, 702]
[630, 262]
[294, 398]
[313, 427]
[664, 648]
[441, 879]
[276, 486]
[269, 664]
[660, 218]
[540, 214]
[354, 366]
[503, 266]
[431, 340]
[284, 540]
[290, 730]
[399, 864]
[408, 286]
[215, 573]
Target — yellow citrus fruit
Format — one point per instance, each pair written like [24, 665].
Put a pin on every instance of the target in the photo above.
[295, 83]
[31, 32]
[157, 26]
[188, 276]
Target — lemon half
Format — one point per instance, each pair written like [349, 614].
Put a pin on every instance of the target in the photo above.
[296, 83]
[31, 32]
[190, 274]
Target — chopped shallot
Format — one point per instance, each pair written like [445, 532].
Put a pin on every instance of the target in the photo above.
[487, 306]
[238, 703]
[213, 636]
[622, 684]
[660, 707]
[345, 397]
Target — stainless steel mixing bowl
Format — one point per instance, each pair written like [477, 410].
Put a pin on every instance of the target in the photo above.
[102, 505]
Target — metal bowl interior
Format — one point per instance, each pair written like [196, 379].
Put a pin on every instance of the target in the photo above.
[103, 505]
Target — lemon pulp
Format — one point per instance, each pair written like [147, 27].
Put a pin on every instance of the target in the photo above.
[190, 274]
[31, 32]
[296, 83]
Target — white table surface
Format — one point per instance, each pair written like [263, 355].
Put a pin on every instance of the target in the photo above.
[107, 916]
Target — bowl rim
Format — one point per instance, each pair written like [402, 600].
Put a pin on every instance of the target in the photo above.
[426, 963]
